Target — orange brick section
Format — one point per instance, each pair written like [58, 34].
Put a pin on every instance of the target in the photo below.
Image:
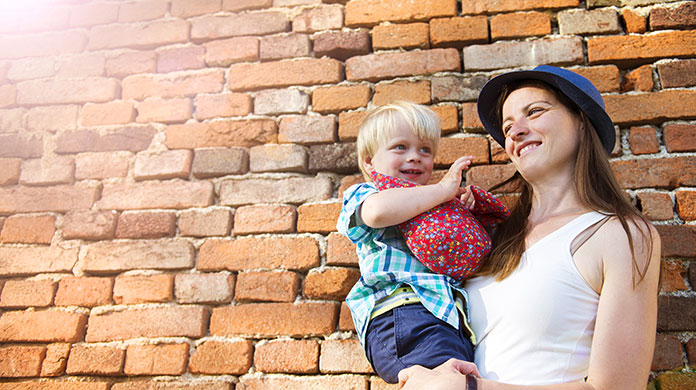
[148, 224]
[95, 360]
[154, 109]
[84, 291]
[458, 31]
[10, 173]
[345, 319]
[679, 138]
[42, 326]
[453, 148]
[496, 6]
[275, 319]
[287, 356]
[372, 12]
[405, 36]
[110, 113]
[340, 98]
[244, 133]
[207, 358]
[21, 361]
[222, 105]
[331, 283]
[665, 173]
[138, 35]
[175, 84]
[671, 280]
[35, 260]
[373, 67]
[349, 124]
[641, 48]
[656, 206]
[132, 137]
[132, 289]
[318, 218]
[416, 91]
[256, 219]
[156, 195]
[29, 229]
[26, 293]
[340, 251]
[89, 225]
[635, 23]
[162, 359]
[164, 321]
[604, 77]
[149, 384]
[343, 356]
[449, 117]
[520, 25]
[639, 79]
[56, 359]
[651, 106]
[249, 77]
[55, 198]
[224, 52]
[486, 176]
[297, 253]
[61, 91]
[290, 190]
[686, 205]
[117, 256]
[643, 140]
[353, 382]
[278, 286]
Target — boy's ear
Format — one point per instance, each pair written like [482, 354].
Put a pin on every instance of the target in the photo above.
[367, 163]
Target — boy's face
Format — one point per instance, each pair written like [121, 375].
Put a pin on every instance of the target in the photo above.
[404, 156]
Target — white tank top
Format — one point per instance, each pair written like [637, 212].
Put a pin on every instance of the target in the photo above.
[535, 327]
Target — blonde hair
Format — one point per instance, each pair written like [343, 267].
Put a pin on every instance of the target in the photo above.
[378, 125]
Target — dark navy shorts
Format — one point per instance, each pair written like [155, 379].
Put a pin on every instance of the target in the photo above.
[409, 335]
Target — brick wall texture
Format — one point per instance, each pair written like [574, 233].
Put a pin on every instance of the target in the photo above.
[171, 171]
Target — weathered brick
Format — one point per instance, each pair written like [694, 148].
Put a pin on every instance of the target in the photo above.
[453, 148]
[293, 190]
[10, 173]
[38, 229]
[21, 146]
[669, 172]
[131, 62]
[495, 6]
[651, 106]
[456, 88]
[84, 291]
[47, 171]
[81, 65]
[156, 195]
[636, 49]
[180, 58]
[520, 25]
[111, 113]
[339, 382]
[21, 361]
[374, 67]
[341, 45]
[330, 283]
[281, 101]
[175, 84]
[405, 36]
[583, 22]
[643, 140]
[30, 68]
[681, 16]
[691, 352]
[348, 181]
[135, 11]
[339, 98]
[248, 253]
[676, 313]
[287, 356]
[102, 165]
[264, 219]
[486, 176]
[159, 359]
[95, 360]
[57, 385]
[310, 71]
[138, 35]
[276, 47]
[679, 137]
[640, 79]
[163, 321]
[677, 73]
[345, 320]
[8, 95]
[56, 359]
[655, 205]
[68, 90]
[389, 92]
[206, 222]
[11, 121]
[17, 261]
[27, 293]
[240, 5]
[318, 218]
[307, 130]
[278, 158]
[118, 256]
[686, 205]
[498, 154]
[349, 124]
[292, 3]
[224, 52]
[275, 319]
[215, 162]
[155, 109]
[678, 240]
[185, 9]
[323, 17]
[449, 118]
[204, 288]
[676, 380]
[458, 31]
[222, 105]
[133, 289]
[672, 276]
[132, 138]
[371, 12]
[42, 326]
[340, 251]
[668, 353]
[89, 225]
[343, 356]
[206, 359]
[333, 157]
[164, 165]
[529, 53]
[38, 45]
[634, 21]
[210, 27]
[56, 198]
[274, 286]
[90, 14]
[225, 133]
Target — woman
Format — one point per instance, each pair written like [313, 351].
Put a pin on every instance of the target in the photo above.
[568, 297]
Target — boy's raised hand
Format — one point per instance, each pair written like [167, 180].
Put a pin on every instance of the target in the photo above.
[452, 180]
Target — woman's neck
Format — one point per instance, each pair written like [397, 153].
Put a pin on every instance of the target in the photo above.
[555, 199]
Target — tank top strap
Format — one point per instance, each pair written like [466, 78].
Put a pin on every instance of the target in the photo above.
[586, 234]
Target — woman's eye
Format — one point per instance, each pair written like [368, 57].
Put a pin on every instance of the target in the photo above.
[506, 130]
[534, 110]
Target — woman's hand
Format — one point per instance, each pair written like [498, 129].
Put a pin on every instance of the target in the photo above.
[450, 375]
[451, 182]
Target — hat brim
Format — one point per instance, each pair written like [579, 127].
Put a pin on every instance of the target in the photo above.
[595, 112]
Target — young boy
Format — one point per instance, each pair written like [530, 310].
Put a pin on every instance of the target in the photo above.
[404, 313]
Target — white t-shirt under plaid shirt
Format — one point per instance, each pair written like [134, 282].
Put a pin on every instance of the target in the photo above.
[385, 263]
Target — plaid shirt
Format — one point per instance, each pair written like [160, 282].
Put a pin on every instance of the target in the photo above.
[385, 263]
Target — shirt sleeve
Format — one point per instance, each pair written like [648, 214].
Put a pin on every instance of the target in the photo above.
[349, 223]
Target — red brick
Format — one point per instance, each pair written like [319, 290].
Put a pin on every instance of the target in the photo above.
[655, 205]
[205, 222]
[164, 165]
[27, 293]
[372, 12]
[635, 22]
[326, 17]
[640, 79]
[691, 352]
[672, 277]
[16, 261]
[276, 286]
[341, 45]
[275, 319]
[276, 47]
[131, 62]
[81, 65]
[29, 229]
[218, 26]
[330, 283]
[204, 288]
[84, 291]
[651, 106]
[458, 31]
[349, 124]
[348, 181]
[248, 253]
[668, 172]
[102, 165]
[180, 58]
[668, 353]
[495, 6]
[244, 133]
[176, 84]
[56, 359]
[222, 105]
[449, 118]
[56, 198]
[112, 113]
[132, 138]
[510, 54]
[340, 251]
[310, 71]
[604, 77]
[165, 321]
[57, 385]
[117, 256]
[677, 73]
[406, 36]
[678, 240]
[345, 320]
[291, 190]
[161, 359]
[338, 382]
[415, 91]
[42, 326]
[287, 356]
[374, 67]
[39, 45]
[21, 361]
[631, 49]
[95, 360]
[140, 35]
[21, 146]
[156, 195]
[213, 162]
[681, 16]
[686, 205]
[206, 359]
[486, 176]
[47, 171]
[318, 218]
[643, 140]
[62, 91]
[134, 289]
[185, 9]
[520, 25]
[679, 138]
[343, 356]
[224, 52]
[155, 109]
[339, 98]
[254, 219]
[135, 11]
[453, 148]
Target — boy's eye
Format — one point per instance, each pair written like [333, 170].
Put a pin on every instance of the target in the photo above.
[426, 150]
[399, 147]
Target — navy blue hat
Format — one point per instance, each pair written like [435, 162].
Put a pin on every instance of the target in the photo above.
[575, 87]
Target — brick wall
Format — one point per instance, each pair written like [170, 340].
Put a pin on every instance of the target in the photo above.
[172, 171]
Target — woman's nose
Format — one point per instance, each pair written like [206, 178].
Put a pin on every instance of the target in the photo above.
[517, 129]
